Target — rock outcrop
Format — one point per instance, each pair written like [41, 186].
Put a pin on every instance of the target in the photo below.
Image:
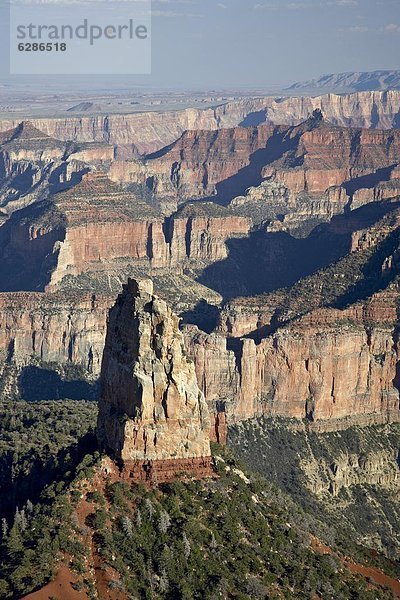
[62, 328]
[141, 133]
[33, 165]
[68, 327]
[95, 225]
[347, 473]
[152, 414]
[328, 366]
[312, 170]
[295, 352]
[196, 163]
[370, 110]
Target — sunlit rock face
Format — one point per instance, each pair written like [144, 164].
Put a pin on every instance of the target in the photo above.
[153, 416]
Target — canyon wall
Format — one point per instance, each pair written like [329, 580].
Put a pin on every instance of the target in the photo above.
[346, 474]
[194, 164]
[95, 223]
[54, 328]
[313, 170]
[318, 170]
[327, 369]
[33, 165]
[375, 110]
[327, 365]
[147, 242]
[143, 132]
[148, 132]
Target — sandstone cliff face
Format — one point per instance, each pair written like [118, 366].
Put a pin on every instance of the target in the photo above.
[91, 223]
[64, 327]
[27, 241]
[151, 408]
[362, 109]
[143, 132]
[60, 328]
[323, 169]
[194, 164]
[313, 170]
[32, 165]
[148, 132]
[95, 223]
[328, 365]
[200, 233]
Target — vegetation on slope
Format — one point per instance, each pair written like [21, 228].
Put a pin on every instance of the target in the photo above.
[39, 443]
[304, 464]
[233, 536]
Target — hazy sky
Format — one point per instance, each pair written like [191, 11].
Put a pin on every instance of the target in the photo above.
[262, 43]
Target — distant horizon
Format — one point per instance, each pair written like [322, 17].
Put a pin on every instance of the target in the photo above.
[247, 44]
[104, 84]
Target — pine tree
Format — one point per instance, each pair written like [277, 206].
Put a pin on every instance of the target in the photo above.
[186, 546]
[150, 508]
[163, 583]
[164, 522]
[4, 529]
[138, 518]
[213, 543]
[127, 526]
[15, 546]
[23, 521]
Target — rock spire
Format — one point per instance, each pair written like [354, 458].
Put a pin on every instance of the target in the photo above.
[152, 414]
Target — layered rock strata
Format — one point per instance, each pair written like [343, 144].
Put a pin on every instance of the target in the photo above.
[346, 473]
[62, 328]
[194, 164]
[313, 170]
[345, 360]
[148, 132]
[152, 414]
[96, 224]
[32, 165]
[329, 365]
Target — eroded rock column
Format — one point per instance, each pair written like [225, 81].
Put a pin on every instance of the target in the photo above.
[152, 415]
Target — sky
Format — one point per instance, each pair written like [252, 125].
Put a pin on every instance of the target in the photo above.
[262, 44]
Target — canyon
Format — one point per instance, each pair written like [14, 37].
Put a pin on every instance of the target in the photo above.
[143, 133]
[181, 207]
[313, 170]
[251, 275]
[174, 283]
[326, 365]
